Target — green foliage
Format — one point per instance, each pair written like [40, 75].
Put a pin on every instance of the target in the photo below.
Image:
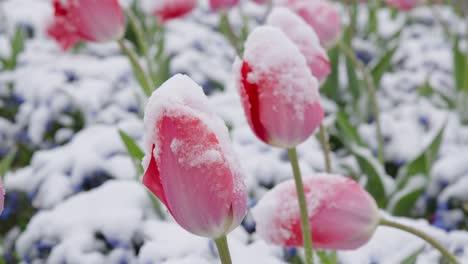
[460, 64]
[422, 164]
[331, 86]
[368, 164]
[17, 46]
[382, 66]
[133, 150]
[6, 163]
[411, 259]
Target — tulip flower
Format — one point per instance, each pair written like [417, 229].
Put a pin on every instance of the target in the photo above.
[222, 4]
[170, 9]
[88, 20]
[403, 5]
[189, 163]
[342, 215]
[322, 16]
[305, 39]
[279, 94]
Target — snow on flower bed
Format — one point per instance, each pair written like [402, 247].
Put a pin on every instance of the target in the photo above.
[81, 181]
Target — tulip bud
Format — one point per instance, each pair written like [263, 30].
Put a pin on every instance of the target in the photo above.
[189, 163]
[222, 4]
[322, 16]
[403, 5]
[170, 9]
[279, 94]
[305, 39]
[89, 20]
[342, 215]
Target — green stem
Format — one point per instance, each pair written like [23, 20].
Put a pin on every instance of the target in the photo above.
[140, 36]
[223, 250]
[422, 235]
[306, 230]
[324, 141]
[370, 85]
[231, 36]
[145, 82]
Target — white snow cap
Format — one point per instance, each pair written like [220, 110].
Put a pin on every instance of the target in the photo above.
[181, 96]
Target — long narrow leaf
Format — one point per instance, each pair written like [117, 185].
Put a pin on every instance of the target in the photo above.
[402, 202]
[331, 86]
[375, 173]
[422, 164]
[382, 66]
[6, 163]
[133, 150]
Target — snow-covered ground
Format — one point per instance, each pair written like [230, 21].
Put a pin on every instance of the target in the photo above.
[89, 206]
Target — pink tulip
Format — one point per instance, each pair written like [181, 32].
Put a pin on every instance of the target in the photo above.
[170, 9]
[305, 39]
[190, 164]
[342, 215]
[89, 20]
[322, 16]
[222, 4]
[403, 5]
[279, 94]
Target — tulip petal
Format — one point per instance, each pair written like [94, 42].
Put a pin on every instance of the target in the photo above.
[64, 33]
[196, 178]
[100, 20]
[152, 181]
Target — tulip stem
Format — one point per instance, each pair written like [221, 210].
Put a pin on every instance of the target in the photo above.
[140, 37]
[140, 74]
[324, 141]
[449, 256]
[306, 230]
[370, 85]
[223, 250]
[226, 29]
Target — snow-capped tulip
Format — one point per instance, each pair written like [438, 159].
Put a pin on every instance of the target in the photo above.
[305, 39]
[170, 9]
[342, 215]
[189, 163]
[322, 16]
[88, 20]
[403, 5]
[222, 4]
[279, 94]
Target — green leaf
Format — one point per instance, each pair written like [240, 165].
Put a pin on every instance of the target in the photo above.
[6, 163]
[374, 172]
[373, 25]
[402, 202]
[347, 131]
[17, 46]
[325, 258]
[460, 62]
[427, 90]
[422, 164]
[133, 150]
[164, 70]
[382, 66]
[354, 85]
[331, 86]
[411, 259]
